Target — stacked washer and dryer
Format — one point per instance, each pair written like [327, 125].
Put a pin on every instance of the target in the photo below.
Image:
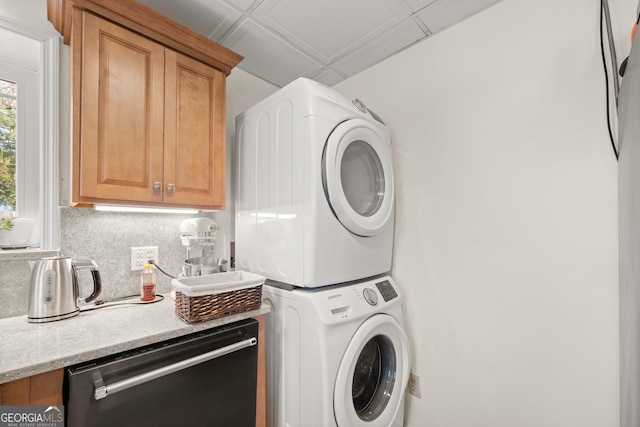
[315, 216]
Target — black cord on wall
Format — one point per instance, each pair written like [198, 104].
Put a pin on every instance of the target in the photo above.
[606, 76]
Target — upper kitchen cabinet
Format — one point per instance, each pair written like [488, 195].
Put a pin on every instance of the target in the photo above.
[148, 106]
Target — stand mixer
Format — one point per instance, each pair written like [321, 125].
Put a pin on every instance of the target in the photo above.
[199, 236]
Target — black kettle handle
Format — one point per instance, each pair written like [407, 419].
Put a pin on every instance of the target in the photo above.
[95, 273]
[97, 286]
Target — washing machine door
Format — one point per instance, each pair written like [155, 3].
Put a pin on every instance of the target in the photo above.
[373, 375]
[358, 176]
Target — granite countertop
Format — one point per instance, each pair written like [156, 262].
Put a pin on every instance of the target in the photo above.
[32, 348]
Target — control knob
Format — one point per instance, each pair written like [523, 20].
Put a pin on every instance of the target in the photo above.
[370, 296]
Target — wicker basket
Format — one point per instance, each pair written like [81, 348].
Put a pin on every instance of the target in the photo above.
[208, 297]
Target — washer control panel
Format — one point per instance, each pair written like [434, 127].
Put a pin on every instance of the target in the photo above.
[370, 296]
[352, 300]
[387, 290]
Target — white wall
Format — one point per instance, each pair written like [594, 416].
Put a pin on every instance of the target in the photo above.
[29, 13]
[506, 228]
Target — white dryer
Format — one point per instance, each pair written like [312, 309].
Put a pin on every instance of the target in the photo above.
[315, 188]
[336, 356]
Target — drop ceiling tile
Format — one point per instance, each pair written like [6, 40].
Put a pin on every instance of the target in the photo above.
[267, 56]
[388, 44]
[242, 4]
[328, 77]
[326, 40]
[211, 18]
[416, 5]
[328, 29]
[445, 13]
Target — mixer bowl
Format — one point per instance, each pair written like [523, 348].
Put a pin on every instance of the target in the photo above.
[203, 265]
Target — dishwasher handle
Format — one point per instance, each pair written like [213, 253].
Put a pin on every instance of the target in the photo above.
[107, 390]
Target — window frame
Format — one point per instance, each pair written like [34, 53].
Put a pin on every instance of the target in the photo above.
[48, 138]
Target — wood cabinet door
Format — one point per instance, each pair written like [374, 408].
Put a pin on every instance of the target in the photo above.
[120, 153]
[40, 389]
[194, 137]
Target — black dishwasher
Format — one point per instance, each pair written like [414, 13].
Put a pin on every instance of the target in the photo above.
[204, 379]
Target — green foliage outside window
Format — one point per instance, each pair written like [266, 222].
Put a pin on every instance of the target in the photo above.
[7, 145]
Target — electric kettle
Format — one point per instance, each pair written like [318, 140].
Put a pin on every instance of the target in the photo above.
[54, 289]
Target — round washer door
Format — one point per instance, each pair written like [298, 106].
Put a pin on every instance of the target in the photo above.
[357, 175]
[372, 375]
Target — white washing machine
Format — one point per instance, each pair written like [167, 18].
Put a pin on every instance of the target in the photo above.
[336, 356]
[315, 189]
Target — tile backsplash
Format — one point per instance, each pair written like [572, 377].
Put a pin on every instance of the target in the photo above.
[106, 238]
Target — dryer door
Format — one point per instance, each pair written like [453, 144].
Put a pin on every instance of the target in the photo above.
[357, 175]
[373, 375]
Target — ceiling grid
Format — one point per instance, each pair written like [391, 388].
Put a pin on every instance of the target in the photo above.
[327, 41]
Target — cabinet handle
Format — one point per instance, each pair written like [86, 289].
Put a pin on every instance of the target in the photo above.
[171, 188]
[157, 186]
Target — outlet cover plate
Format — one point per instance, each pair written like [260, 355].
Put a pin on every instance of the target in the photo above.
[140, 255]
[414, 385]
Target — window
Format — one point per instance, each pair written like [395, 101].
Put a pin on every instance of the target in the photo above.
[21, 126]
[29, 129]
[8, 107]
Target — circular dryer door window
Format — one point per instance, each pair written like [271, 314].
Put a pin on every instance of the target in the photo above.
[357, 176]
[372, 375]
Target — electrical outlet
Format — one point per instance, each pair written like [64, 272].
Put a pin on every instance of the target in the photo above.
[414, 384]
[141, 255]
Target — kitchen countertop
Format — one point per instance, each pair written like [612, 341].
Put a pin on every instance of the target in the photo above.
[32, 348]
